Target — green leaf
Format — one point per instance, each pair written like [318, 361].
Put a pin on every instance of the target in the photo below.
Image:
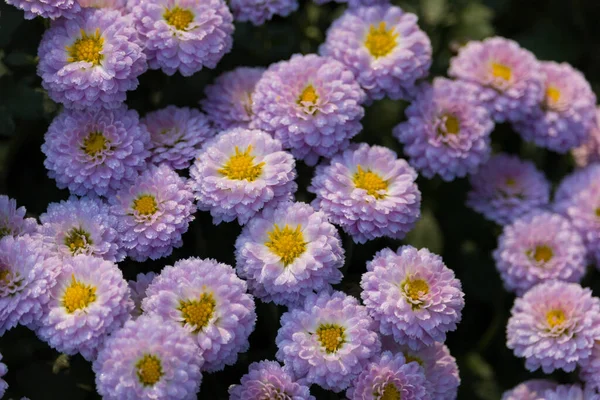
[433, 11]
[7, 124]
[426, 233]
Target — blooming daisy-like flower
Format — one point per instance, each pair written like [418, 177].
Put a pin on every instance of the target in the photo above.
[210, 302]
[447, 132]
[538, 247]
[506, 188]
[590, 367]
[137, 290]
[258, 12]
[90, 301]
[570, 392]
[47, 8]
[565, 116]
[176, 135]
[369, 192]
[384, 48]
[328, 341]
[95, 152]
[228, 102]
[589, 151]
[3, 384]
[288, 252]
[509, 78]
[554, 326]
[311, 103]
[153, 213]
[183, 35]
[239, 172]
[412, 295]
[268, 380]
[149, 358]
[12, 219]
[91, 60]
[529, 390]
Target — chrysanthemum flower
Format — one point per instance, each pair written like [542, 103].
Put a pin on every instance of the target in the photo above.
[506, 188]
[369, 192]
[258, 12]
[47, 8]
[448, 130]
[384, 48]
[554, 326]
[538, 247]
[176, 135]
[12, 219]
[183, 35]
[137, 290]
[287, 252]
[589, 151]
[311, 103]
[95, 152]
[268, 380]
[153, 213]
[576, 182]
[590, 367]
[3, 384]
[563, 119]
[412, 295]
[239, 172]
[149, 358]
[91, 60]
[509, 78]
[112, 4]
[210, 301]
[329, 341]
[228, 102]
[90, 301]
[570, 392]
[529, 390]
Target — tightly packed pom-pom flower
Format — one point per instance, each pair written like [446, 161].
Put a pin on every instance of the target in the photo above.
[412, 295]
[529, 390]
[590, 368]
[369, 192]
[570, 392]
[258, 12]
[120, 5]
[447, 132]
[287, 252]
[538, 247]
[91, 60]
[311, 103]
[506, 188]
[239, 172]
[47, 8]
[210, 301]
[95, 152]
[268, 380]
[183, 35]
[137, 290]
[509, 78]
[90, 301]
[153, 213]
[589, 152]
[176, 135]
[329, 341]
[3, 384]
[228, 102]
[554, 326]
[12, 219]
[563, 119]
[149, 358]
[384, 48]
[574, 183]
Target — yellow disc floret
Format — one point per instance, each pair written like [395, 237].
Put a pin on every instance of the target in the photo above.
[198, 312]
[179, 18]
[287, 243]
[240, 166]
[501, 72]
[414, 290]
[390, 392]
[555, 317]
[331, 337]
[451, 125]
[149, 370]
[380, 41]
[87, 48]
[77, 239]
[543, 253]
[94, 143]
[78, 296]
[369, 181]
[145, 205]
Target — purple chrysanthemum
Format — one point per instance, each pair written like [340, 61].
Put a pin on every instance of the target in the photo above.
[90, 301]
[149, 358]
[369, 192]
[554, 326]
[563, 119]
[538, 247]
[47, 8]
[384, 48]
[329, 341]
[509, 79]
[590, 368]
[447, 132]
[176, 135]
[228, 102]
[120, 5]
[3, 384]
[12, 219]
[92, 60]
[258, 12]
[183, 35]
[311, 103]
[570, 392]
[589, 151]
[95, 152]
[576, 182]
[137, 290]
[268, 380]
[210, 301]
[529, 390]
[506, 188]
[412, 295]
[287, 252]
[239, 172]
[153, 213]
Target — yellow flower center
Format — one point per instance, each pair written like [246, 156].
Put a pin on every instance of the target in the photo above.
[552, 96]
[198, 312]
[94, 143]
[145, 205]
[451, 125]
[149, 370]
[331, 337]
[78, 296]
[510, 182]
[380, 40]
[87, 48]
[542, 253]
[501, 71]
[179, 18]
[5, 276]
[287, 243]
[369, 181]
[411, 358]
[597, 211]
[240, 166]
[390, 392]
[309, 94]
[5, 231]
[414, 289]
[77, 239]
[555, 317]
